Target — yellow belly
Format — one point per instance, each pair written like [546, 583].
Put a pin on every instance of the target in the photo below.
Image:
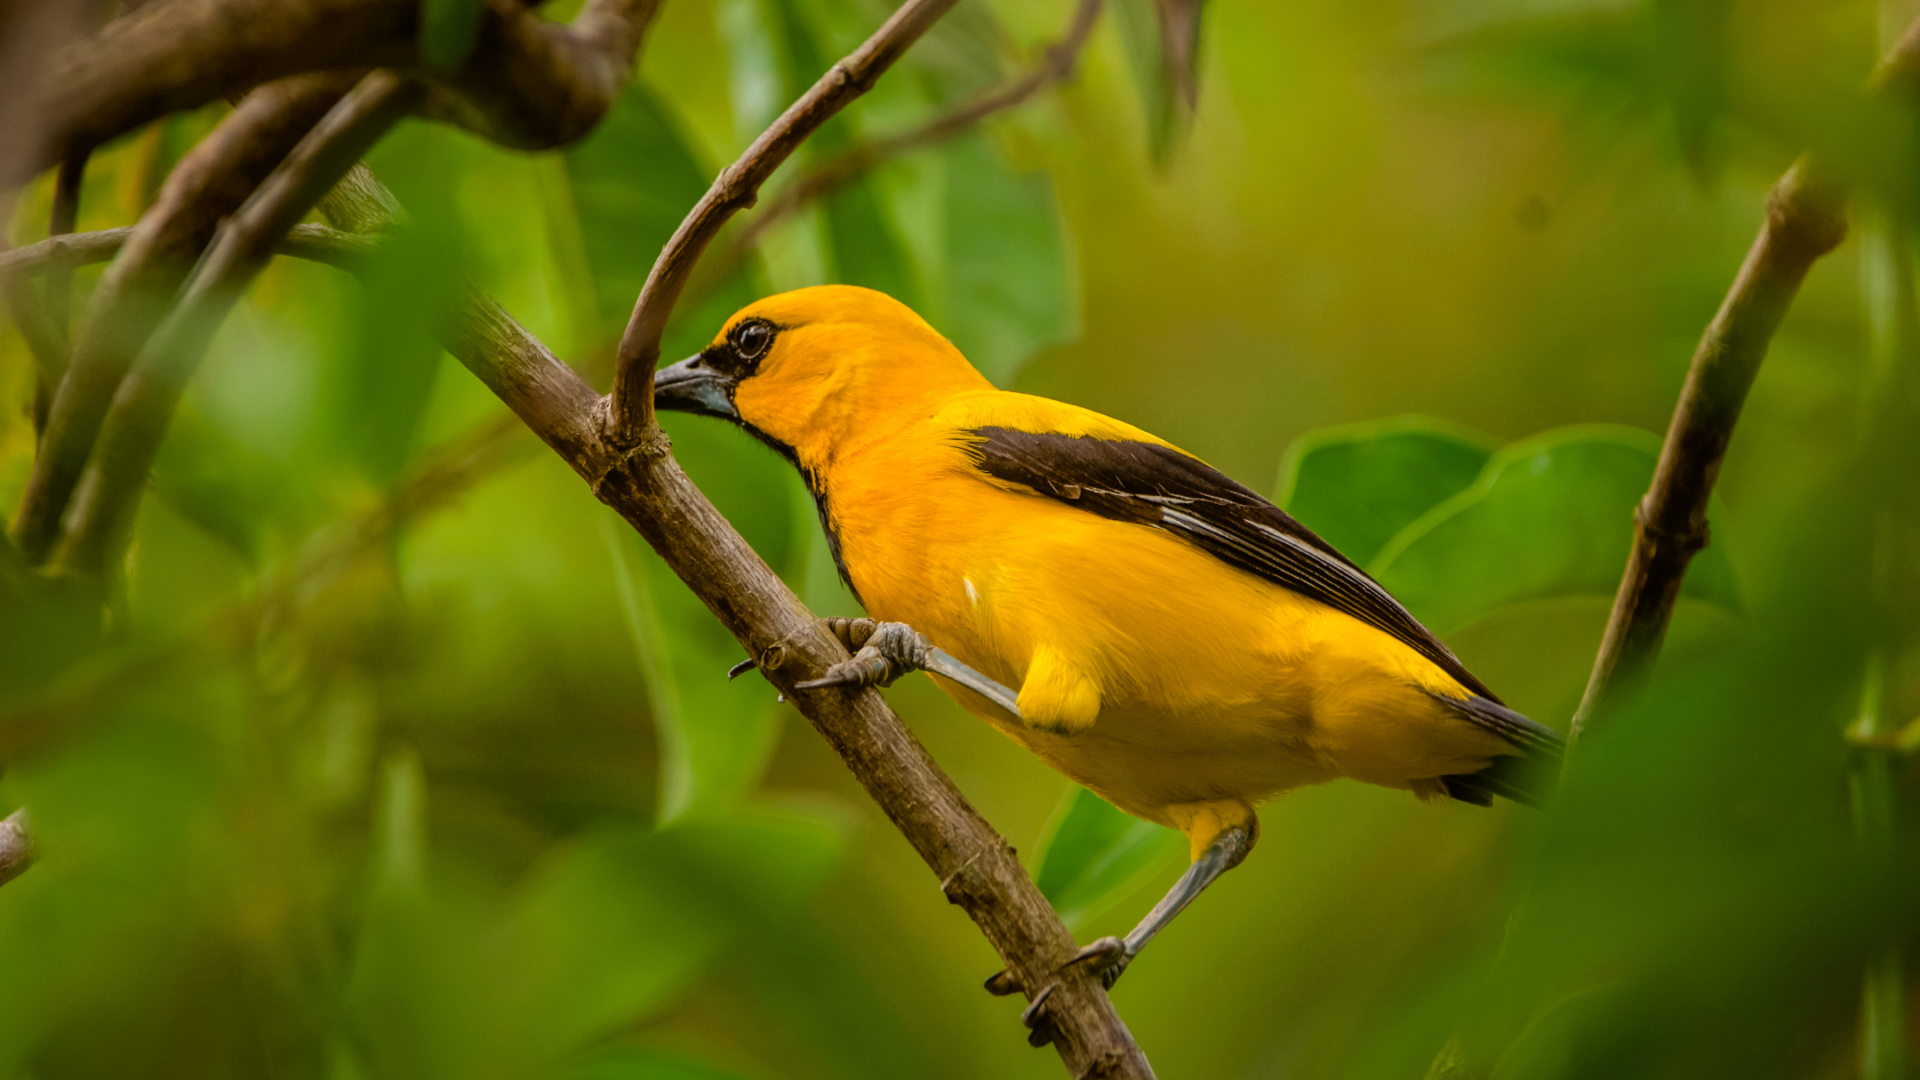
[1212, 683]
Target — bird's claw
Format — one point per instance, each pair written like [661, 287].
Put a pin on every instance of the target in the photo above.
[885, 651]
[1040, 1029]
[1001, 984]
[1110, 957]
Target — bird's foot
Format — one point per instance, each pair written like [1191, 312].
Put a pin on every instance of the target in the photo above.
[882, 652]
[1109, 957]
[1040, 1029]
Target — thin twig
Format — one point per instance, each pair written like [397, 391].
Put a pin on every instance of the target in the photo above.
[208, 185]
[314, 243]
[1806, 218]
[44, 341]
[735, 189]
[96, 523]
[16, 847]
[57, 288]
[1056, 65]
[66, 214]
[976, 866]
[530, 82]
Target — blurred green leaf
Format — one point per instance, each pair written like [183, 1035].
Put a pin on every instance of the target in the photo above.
[715, 735]
[610, 930]
[633, 179]
[448, 31]
[1549, 516]
[1139, 25]
[626, 1061]
[866, 245]
[1359, 485]
[1008, 281]
[1094, 854]
[381, 386]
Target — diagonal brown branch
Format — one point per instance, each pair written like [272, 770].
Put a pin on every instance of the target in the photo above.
[1805, 219]
[130, 436]
[735, 189]
[208, 184]
[529, 82]
[1056, 65]
[977, 868]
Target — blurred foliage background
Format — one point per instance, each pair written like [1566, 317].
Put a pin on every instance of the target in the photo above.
[402, 757]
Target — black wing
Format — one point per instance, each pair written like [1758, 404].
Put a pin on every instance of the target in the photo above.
[1160, 487]
[1155, 485]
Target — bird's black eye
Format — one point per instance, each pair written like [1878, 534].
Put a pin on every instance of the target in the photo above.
[751, 339]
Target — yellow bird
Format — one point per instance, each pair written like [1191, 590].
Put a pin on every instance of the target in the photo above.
[1180, 645]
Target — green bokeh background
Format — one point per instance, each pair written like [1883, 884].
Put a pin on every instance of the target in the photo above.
[404, 757]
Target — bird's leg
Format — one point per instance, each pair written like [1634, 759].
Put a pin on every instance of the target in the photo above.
[884, 651]
[1112, 954]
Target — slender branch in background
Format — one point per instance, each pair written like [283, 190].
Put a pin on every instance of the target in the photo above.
[96, 524]
[210, 182]
[16, 847]
[977, 868]
[314, 243]
[529, 82]
[65, 215]
[735, 189]
[1805, 220]
[57, 288]
[44, 340]
[1056, 65]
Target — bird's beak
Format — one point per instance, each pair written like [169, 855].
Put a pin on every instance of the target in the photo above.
[692, 385]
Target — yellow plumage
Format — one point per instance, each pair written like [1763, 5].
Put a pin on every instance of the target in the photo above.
[1148, 670]
[1178, 686]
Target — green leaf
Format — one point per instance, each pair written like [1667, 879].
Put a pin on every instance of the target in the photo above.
[1009, 290]
[715, 736]
[448, 31]
[1093, 854]
[866, 244]
[1359, 485]
[1549, 516]
[633, 179]
[616, 927]
[625, 1061]
[1139, 26]
[381, 387]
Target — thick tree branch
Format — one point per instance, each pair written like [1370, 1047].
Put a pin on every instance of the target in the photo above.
[977, 868]
[16, 847]
[208, 184]
[95, 524]
[735, 189]
[528, 83]
[1056, 65]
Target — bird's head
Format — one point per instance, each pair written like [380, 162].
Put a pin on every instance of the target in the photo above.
[806, 369]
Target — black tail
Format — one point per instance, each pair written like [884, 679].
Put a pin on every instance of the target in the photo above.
[1527, 778]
